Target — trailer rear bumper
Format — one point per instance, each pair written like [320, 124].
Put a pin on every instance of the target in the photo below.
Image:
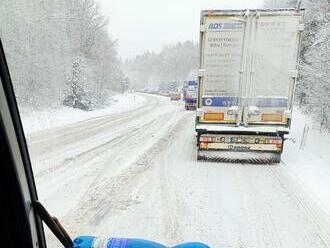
[217, 138]
[240, 143]
[190, 105]
[232, 129]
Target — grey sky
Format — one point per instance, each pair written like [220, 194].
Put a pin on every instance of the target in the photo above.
[141, 25]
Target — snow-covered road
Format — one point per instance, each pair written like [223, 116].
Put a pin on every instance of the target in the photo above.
[135, 174]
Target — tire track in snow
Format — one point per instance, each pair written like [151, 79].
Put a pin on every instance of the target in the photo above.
[103, 146]
[318, 219]
[91, 164]
[285, 216]
[112, 194]
[61, 153]
[63, 138]
[258, 207]
[85, 128]
[169, 202]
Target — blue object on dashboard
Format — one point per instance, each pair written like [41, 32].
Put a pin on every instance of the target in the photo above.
[94, 242]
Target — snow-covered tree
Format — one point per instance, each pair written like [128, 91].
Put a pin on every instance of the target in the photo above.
[78, 96]
[313, 89]
[43, 39]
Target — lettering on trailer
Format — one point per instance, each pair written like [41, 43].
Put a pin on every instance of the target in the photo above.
[222, 56]
[219, 101]
[269, 102]
[239, 148]
[225, 26]
[261, 102]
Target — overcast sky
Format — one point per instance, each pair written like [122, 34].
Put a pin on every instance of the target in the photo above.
[141, 25]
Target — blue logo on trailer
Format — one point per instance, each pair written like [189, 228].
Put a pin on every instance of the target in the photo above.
[225, 25]
[216, 101]
[268, 102]
[192, 83]
[208, 101]
[216, 26]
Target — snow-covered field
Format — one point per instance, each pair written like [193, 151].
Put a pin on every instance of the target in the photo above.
[134, 174]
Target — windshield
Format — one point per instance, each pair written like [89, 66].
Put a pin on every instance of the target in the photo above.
[177, 121]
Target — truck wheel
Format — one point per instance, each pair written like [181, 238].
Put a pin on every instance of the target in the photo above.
[199, 157]
[197, 138]
[276, 158]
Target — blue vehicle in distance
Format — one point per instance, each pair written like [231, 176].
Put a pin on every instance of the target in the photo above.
[190, 89]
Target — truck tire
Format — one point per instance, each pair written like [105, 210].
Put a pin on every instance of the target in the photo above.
[277, 158]
[199, 157]
[197, 136]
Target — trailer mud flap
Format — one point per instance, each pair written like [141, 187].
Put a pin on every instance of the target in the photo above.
[239, 157]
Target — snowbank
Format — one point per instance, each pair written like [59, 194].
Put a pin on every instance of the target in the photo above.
[53, 117]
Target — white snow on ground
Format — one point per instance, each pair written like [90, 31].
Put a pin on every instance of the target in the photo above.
[310, 162]
[54, 117]
[135, 174]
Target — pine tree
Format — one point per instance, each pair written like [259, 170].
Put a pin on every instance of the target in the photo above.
[313, 89]
[78, 96]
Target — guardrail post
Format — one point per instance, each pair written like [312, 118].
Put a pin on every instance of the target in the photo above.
[304, 137]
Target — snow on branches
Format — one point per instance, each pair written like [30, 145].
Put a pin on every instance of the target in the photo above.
[43, 42]
[313, 89]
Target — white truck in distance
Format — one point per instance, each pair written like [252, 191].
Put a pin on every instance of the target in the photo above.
[247, 76]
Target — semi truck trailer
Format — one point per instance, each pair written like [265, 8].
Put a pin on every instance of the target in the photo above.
[190, 94]
[247, 77]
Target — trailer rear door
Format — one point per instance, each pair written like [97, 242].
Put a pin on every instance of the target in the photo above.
[272, 71]
[222, 42]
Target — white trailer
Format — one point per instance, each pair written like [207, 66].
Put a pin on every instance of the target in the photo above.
[247, 76]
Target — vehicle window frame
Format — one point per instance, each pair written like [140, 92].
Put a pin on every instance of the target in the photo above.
[14, 139]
